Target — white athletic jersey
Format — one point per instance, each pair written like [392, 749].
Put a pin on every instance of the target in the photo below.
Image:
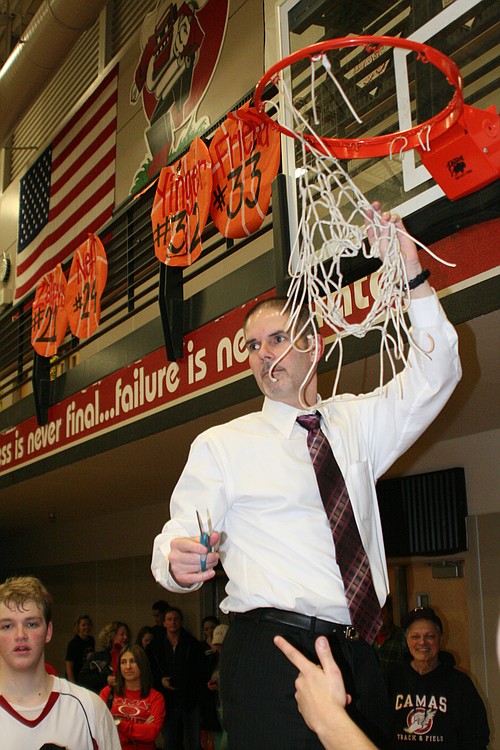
[73, 718]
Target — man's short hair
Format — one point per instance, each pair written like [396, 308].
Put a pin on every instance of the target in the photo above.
[21, 589]
[278, 303]
[160, 606]
[421, 613]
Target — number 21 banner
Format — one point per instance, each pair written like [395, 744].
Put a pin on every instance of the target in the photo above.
[49, 319]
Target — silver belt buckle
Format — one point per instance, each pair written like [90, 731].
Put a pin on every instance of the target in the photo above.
[351, 633]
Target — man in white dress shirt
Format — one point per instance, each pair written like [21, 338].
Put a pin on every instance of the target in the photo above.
[38, 710]
[254, 479]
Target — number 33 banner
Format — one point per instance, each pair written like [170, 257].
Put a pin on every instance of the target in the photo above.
[87, 279]
[245, 154]
[49, 319]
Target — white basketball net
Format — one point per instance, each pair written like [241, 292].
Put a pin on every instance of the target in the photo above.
[332, 227]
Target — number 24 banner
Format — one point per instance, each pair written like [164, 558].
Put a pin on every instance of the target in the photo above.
[87, 279]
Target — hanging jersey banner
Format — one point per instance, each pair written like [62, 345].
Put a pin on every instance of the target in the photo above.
[245, 155]
[87, 279]
[49, 319]
[181, 205]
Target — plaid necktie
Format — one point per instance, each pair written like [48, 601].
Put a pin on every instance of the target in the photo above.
[351, 557]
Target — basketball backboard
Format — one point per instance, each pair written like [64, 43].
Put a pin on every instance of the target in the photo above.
[389, 89]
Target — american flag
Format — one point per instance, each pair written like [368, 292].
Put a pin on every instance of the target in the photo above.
[70, 190]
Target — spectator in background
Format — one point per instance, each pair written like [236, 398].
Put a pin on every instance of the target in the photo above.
[430, 700]
[220, 739]
[79, 648]
[101, 667]
[208, 625]
[210, 715]
[144, 637]
[38, 710]
[390, 642]
[180, 673]
[158, 610]
[138, 709]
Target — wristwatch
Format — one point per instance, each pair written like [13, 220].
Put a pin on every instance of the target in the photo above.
[419, 279]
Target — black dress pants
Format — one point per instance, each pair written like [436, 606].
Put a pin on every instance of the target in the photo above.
[258, 687]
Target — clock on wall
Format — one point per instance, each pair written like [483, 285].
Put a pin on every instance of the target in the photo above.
[4, 268]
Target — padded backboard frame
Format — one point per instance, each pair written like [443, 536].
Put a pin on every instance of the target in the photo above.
[415, 174]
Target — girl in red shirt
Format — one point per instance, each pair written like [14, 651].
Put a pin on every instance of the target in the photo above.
[137, 708]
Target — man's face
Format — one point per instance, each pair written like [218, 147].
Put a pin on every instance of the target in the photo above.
[157, 616]
[84, 628]
[23, 635]
[173, 622]
[208, 630]
[266, 339]
[424, 641]
[121, 637]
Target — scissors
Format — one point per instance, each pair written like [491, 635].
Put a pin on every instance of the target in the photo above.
[205, 540]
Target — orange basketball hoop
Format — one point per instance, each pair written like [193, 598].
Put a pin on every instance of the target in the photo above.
[381, 145]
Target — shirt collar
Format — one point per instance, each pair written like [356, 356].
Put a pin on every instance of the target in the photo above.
[282, 416]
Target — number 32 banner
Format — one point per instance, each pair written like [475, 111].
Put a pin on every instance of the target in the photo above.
[180, 207]
[245, 154]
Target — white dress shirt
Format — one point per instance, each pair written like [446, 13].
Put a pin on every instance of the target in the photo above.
[253, 477]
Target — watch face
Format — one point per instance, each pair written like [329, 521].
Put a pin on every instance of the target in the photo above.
[4, 268]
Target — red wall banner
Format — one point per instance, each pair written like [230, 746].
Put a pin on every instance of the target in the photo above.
[215, 355]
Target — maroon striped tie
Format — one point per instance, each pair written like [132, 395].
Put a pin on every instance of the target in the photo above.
[351, 557]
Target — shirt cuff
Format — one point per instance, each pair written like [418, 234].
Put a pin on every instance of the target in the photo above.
[160, 568]
[425, 312]
[175, 587]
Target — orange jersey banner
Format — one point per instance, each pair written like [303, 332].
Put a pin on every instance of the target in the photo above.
[245, 154]
[87, 279]
[180, 208]
[49, 319]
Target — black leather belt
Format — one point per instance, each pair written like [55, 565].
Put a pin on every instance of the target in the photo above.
[303, 622]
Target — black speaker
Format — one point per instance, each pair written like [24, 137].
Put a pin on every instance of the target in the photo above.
[424, 514]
